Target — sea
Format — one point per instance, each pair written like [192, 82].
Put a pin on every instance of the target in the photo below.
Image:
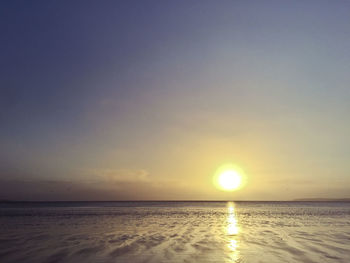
[132, 232]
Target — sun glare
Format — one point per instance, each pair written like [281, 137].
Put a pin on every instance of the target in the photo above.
[228, 178]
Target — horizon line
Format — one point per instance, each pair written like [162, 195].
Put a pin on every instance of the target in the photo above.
[346, 199]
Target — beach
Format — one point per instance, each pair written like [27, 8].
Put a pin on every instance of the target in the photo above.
[175, 232]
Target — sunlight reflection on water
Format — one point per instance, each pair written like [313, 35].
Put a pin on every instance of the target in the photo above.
[232, 231]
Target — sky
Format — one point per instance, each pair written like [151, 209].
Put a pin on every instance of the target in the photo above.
[145, 100]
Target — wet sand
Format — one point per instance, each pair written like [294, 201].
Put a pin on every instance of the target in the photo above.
[176, 232]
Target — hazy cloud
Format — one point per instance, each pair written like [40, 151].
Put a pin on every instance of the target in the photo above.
[121, 175]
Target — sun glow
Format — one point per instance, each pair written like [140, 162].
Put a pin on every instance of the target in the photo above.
[228, 178]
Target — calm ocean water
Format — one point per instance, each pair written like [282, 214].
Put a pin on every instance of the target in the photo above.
[175, 232]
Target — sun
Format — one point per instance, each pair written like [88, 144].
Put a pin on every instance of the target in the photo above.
[229, 178]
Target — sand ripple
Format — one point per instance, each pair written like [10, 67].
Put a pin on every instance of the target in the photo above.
[176, 232]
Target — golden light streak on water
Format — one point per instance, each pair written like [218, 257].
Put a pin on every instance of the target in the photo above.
[232, 231]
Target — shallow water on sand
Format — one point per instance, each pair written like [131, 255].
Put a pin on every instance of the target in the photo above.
[175, 232]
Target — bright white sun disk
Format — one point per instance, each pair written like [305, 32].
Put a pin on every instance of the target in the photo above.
[229, 180]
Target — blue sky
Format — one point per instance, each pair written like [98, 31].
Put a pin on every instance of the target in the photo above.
[145, 100]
